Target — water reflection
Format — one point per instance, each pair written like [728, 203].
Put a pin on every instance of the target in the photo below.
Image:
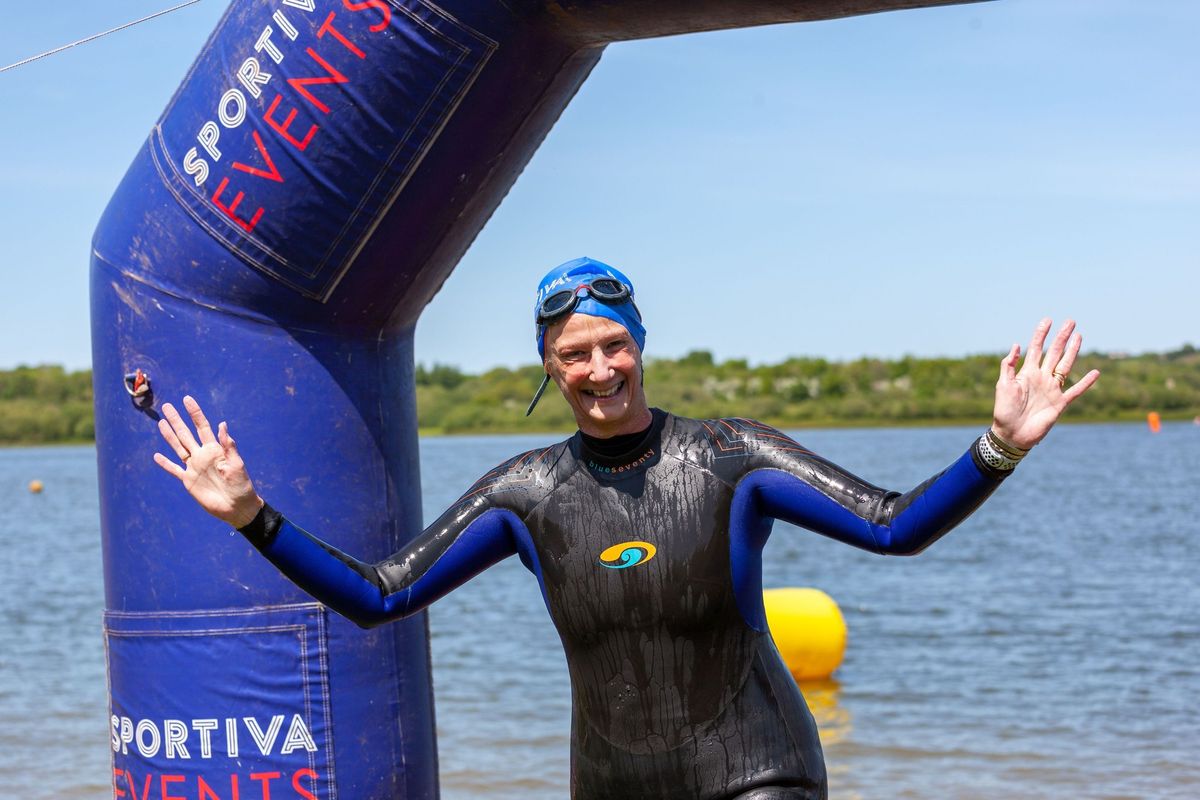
[834, 722]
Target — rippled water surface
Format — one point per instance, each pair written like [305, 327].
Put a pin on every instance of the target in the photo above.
[1049, 647]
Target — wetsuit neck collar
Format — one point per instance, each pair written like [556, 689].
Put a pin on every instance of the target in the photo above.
[619, 454]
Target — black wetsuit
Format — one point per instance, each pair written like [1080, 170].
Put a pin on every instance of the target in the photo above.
[678, 691]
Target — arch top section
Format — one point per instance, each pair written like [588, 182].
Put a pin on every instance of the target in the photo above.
[325, 163]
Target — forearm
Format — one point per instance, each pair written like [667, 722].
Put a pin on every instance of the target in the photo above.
[909, 523]
[351, 587]
[448, 554]
[831, 501]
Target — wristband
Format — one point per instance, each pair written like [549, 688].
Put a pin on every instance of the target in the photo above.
[997, 453]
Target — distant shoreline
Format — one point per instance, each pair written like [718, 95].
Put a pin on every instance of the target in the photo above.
[432, 433]
[48, 405]
[825, 425]
[821, 425]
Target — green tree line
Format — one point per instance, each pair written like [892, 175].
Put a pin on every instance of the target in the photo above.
[47, 404]
[810, 392]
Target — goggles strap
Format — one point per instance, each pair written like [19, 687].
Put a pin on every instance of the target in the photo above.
[538, 395]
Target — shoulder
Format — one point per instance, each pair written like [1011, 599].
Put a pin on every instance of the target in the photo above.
[731, 437]
[731, 446]
[519, 482]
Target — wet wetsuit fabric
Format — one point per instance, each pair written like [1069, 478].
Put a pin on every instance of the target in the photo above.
[677, 689]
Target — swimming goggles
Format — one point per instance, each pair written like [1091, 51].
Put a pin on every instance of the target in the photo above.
[606, 290]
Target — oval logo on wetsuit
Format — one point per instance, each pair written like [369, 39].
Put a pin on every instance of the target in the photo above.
[627, 554]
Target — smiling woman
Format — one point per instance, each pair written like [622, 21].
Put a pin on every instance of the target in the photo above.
[678, 690]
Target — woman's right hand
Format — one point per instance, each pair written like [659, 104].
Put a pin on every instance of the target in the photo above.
[213, 473]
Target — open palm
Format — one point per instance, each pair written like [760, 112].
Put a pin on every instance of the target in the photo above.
[1030, 401]
[213, 473]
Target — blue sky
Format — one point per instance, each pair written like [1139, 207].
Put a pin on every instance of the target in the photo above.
[927, 182]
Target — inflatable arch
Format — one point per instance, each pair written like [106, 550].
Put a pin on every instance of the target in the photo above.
[317, 175]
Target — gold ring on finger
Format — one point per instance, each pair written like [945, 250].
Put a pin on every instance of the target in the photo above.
[1062, 379]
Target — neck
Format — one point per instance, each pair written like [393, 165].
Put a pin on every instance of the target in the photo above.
[634, 423]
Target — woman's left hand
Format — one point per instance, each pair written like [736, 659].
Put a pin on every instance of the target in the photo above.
[1029, 401]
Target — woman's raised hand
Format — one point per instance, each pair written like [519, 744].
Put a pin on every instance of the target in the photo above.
[212, 471]
[1029, 401]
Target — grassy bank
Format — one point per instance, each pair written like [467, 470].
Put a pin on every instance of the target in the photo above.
[48, 405]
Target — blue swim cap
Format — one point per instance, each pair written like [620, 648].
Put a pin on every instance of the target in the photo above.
[575, 273]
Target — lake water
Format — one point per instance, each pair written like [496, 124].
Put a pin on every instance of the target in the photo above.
[1049, 647]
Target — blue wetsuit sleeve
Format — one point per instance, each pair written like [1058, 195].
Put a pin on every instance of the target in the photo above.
[816, 494]
[790, 483]
[460, 545]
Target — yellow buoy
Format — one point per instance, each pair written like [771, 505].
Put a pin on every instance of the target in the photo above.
[808, 629]
[36, 487]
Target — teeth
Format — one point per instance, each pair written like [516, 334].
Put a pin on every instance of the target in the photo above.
[609, 393]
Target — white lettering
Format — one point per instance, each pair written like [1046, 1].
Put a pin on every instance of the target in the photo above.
[148, 750]
[238, 99]
[264, 43]
[205, 727]
[194, 165]
[252, 77]
[170, 736]
[303, 5]
[208, 136]
[288, 28]
[176, 734]
[265, 741]
[297, 737]
[231, 737]
[126, 734]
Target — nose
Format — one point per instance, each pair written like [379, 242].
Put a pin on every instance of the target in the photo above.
[601, 366]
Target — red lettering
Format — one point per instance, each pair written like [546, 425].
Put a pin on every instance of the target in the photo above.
[304, 773]
[164, 780]
[333, 77]
[327, 25]
[379, 4]
[283, 129]
[266, 778]
[229, 210]
[133, 786]
[207, 793]
[262, 150]
[117, 790]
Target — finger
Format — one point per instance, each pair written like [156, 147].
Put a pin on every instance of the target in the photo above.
[1058, 345]
[168, 433]
[182, 432]
[225, 439]
[203, 429]
[1008, 364]
[1033, 356]
[1068, 359]
[170, 466]
[1082, 386]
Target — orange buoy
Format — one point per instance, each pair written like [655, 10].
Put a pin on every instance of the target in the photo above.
[1154, 421]
[35, 486]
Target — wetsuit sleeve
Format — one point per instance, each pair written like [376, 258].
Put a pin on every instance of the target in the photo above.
[795, 485]
[462, 543]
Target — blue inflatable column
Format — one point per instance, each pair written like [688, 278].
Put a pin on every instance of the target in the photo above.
[319, 172]
[266, 254]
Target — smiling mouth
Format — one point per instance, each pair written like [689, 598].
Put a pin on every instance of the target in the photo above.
[606, 393]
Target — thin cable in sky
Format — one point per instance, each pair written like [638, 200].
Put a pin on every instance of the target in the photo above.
[98, 35]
